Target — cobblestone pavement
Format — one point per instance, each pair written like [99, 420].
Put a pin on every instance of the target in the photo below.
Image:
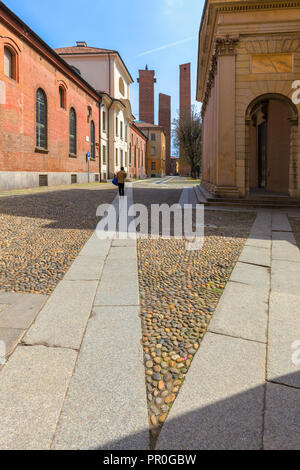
[179, 292]
[295, 224]
[41, 233]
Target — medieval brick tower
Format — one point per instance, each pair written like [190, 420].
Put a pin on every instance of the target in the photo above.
[146, 82]
[185, 88]
[165, 122]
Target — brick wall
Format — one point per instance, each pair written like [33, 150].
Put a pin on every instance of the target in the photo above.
[146, 82]
[18, 114]
[165, 122]
[185, 88]
[137, 163]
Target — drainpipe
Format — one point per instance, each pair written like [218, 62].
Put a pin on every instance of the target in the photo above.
[108, 116]
[108, 140]
[100, 130]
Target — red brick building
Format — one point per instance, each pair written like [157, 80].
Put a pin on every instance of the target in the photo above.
[137, 153]
[49, 116]
[146, 82]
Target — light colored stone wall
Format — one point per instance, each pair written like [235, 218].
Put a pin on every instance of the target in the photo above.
[28, 179]
[269, 32]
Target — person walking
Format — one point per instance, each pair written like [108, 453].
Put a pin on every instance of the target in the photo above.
[121, 176]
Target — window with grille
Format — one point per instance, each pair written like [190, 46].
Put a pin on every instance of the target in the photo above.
[41, 119]
[43, 180]
[104, 154]
[73, 179]
[73, 132]
[153, 137]
[153, 150]
[153, 166]
[92, 140]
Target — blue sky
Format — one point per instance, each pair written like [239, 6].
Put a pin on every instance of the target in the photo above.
[132, 27]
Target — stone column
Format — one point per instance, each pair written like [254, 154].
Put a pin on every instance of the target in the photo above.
[226, 143]
[294, 189]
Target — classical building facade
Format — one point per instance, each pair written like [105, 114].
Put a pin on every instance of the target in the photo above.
[137, 152]
[249, 61]
[49, 115]
[105, 70]
[156, 148]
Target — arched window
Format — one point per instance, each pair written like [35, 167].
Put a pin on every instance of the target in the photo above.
[10, 63]
[41, 119]
[92, 139]
[62, 97]
[73, 132]
[121, 86]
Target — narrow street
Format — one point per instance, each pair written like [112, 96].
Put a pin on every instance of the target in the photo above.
[138, 343]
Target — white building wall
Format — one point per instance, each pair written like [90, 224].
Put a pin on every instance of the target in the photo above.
[117, 75]
[95, 70]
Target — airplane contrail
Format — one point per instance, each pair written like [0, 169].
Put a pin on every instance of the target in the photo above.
[172, 44]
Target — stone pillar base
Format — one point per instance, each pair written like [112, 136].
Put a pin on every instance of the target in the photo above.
[221, 191]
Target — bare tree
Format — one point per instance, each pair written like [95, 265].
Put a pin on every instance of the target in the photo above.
[187, 132]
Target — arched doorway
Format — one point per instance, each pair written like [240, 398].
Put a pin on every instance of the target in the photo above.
[270, 120]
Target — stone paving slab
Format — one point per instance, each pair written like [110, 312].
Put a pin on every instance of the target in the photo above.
[86, 268]
[220, 405]
[255, 276]
[256, 255]
[119, 283]
[11, 337]
[21, 309]
[127, 242]
[284, 247]
[63, 320]
[106, 404]
[263, 222]
[242, 312]
[123, 252]
[32, 388]
[96, 247]
[285, 277]
[3, 307]
[10, 297]
[284, 330]
[282, 424]
[259, 241]
[280, 222]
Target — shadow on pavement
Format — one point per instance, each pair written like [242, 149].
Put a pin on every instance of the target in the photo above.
[235, 423]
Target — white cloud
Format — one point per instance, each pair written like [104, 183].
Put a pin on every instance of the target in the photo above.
[166, 46]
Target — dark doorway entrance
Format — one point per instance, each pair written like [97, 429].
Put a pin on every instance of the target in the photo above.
[270, 135]
[261, 151]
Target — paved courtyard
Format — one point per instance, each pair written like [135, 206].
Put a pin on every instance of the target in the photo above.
[142, 344]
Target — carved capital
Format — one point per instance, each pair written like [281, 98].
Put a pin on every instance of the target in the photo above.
[226, 46]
